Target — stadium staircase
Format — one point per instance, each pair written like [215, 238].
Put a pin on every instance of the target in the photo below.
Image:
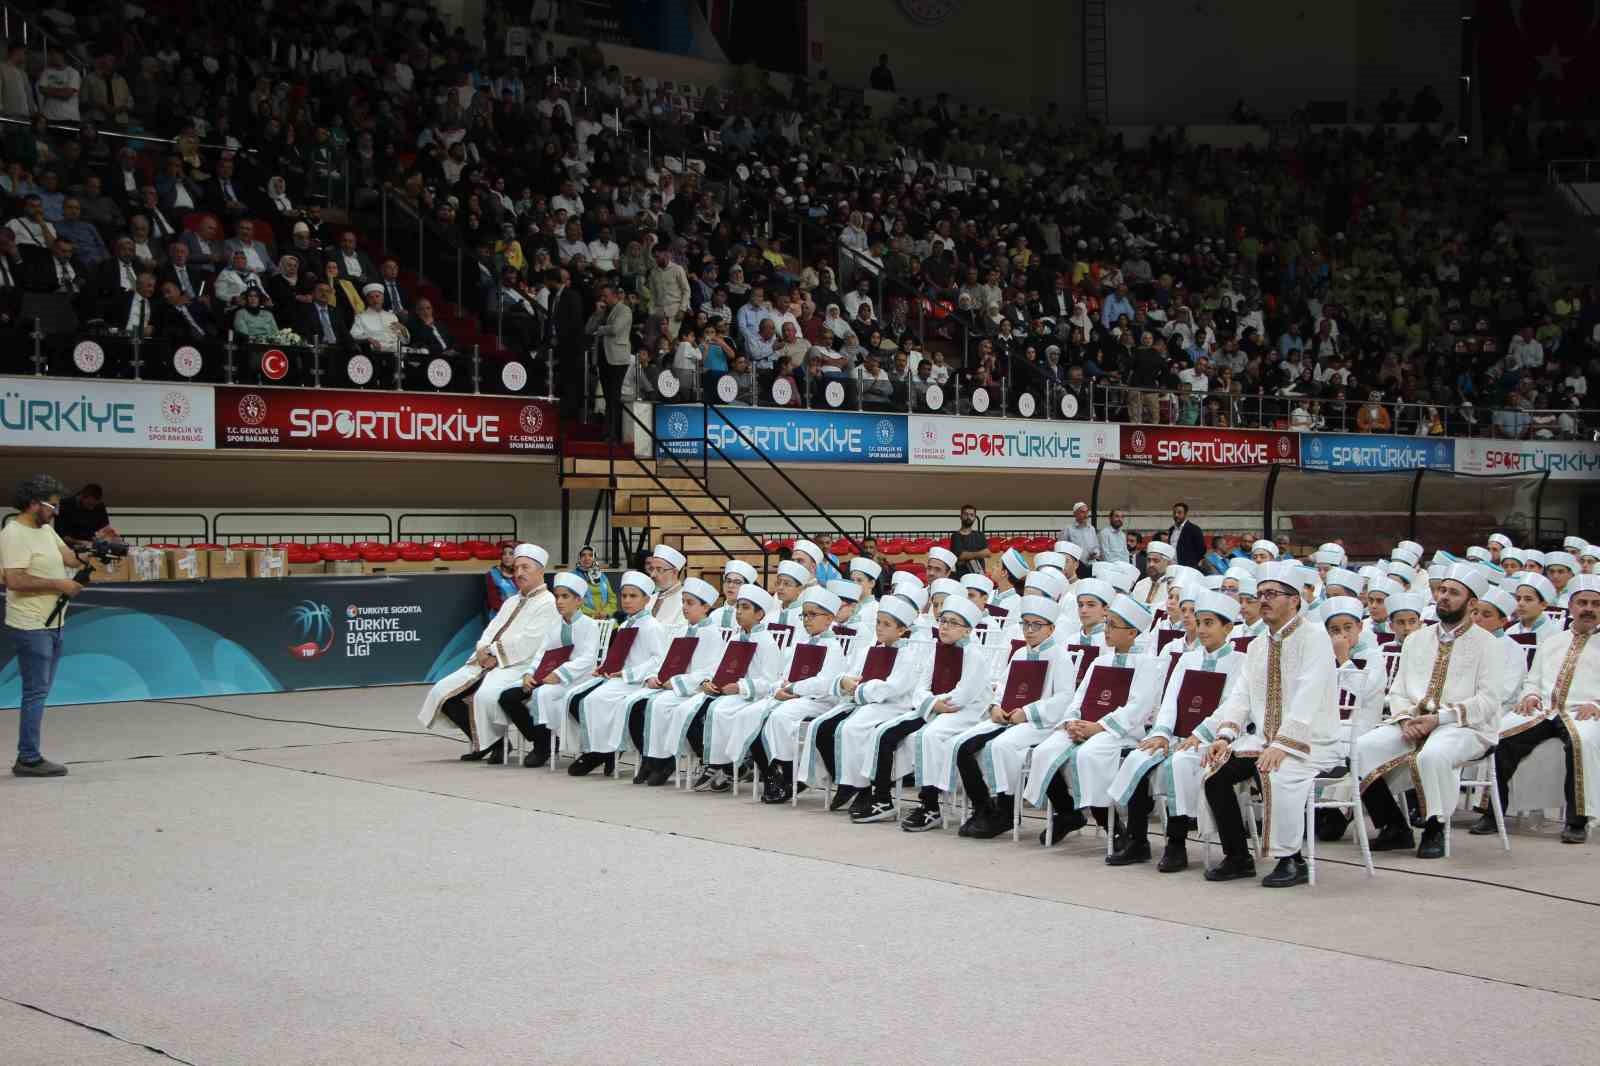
[668, 500]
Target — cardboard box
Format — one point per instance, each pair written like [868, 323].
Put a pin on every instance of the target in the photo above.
[114, 571]
[226, 563]
[186, 564]
[147, 564]
[265, 562]
[307, 569]
[346, 567]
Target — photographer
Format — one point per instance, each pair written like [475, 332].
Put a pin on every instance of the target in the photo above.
[36, 563]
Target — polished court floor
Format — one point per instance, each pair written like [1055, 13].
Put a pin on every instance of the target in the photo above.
[230, 889]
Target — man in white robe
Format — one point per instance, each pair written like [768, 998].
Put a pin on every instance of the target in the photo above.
[1444, 707]
[1280, 725]
[1560, 700]
[503, 652]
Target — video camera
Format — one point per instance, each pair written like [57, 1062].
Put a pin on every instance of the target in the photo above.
[100, 549]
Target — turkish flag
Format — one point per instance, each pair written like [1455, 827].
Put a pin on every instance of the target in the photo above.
[1541, 54]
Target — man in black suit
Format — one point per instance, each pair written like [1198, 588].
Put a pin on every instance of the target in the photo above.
[1185, 537]
[111, 280]
[426, 332]
[322, 321]
[224, 194]
[354, 265]
[567, 318]
[182, 320]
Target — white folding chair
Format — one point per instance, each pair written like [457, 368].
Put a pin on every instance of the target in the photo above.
[1487, 778]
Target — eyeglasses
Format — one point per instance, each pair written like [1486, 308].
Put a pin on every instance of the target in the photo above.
[1272, 594]
[953, 622]
[1034, 627]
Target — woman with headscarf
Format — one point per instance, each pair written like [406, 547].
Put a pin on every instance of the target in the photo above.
[600, 602]
[290, 284]
[252, 321]
[278, 196]
[833, 322]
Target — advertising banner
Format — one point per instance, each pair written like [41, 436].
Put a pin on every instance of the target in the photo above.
[1566, 460]
[785, 435]
[1206, 446]
[85, 413]
[175, 639]
[339, 420]
[1366, 453]
[1011, 442]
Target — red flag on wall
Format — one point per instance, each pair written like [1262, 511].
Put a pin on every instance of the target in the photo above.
[1541, 54]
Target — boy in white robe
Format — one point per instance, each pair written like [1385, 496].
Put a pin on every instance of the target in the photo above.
[1013, 571]
[964, 701]
[895, 617]
[878, 705]
[1073, 766]
[579, 636]
[786, 588]
[735, 575]
[1534, 592]
[503, 651]
[593, 715]
[1214, 615]
[646, 700]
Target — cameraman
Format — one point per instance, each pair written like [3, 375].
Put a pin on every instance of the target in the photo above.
[36, 563]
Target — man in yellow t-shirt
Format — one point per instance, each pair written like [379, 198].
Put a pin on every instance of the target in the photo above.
[35, 561]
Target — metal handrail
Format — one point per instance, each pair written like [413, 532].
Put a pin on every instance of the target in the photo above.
[401, 531]
[693, 516]
[28, 23]
[68, 127]
[339, 535]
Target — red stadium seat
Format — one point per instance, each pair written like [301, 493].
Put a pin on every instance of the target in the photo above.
[488, 552]
[454, 553]
[421, 553]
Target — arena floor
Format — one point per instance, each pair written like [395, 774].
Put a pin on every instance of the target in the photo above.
[233, 890]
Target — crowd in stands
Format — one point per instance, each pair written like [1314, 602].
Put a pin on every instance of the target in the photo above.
[1336, 278]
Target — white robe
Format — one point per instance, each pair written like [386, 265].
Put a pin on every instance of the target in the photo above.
[1466, 673]
[669, 717]
[1226, 661]
[667, 608]
[1555, 668]
[601, 722]
[780, 733]
[1308, 729]
[809, 769]
[582, 634]
[973, 695]
[517, 630]
[1091, 766]
[747, 722]
[710, 640]
[879, 705]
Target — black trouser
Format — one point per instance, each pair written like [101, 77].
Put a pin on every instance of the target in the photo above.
[569, 369]
[1140, 804]
[514, 702]
[455, 708]
[1381, 805]
[758, 752]
[822, 738]
[971, 774]
[611, 382]
[697, 729]
[883, 778]
[1224, 804]
[1510, 751]
[636, 723]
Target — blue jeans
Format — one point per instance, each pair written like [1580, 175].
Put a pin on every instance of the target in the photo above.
[38, 652]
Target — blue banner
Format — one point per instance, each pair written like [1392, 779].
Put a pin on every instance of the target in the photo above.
[785, 435]
[1366, 453]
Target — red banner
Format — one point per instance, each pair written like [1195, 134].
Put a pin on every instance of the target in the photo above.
[353, 421]
[1203, 446]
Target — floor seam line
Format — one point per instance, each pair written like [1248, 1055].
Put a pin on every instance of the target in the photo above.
[95, 1029]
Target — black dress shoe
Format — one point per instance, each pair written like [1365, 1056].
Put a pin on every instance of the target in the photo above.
[1232, 868]
[1395, 836]
[497, 754]
[988, 825]
[776, 792]
[1290, 871]
[1575, 834]
[660, 773]
[1135, 850]
[1174, 857]
[1432, 845]
[1063, 822]
[585, 764]
[842, 797]
[537, 756]
[475, 756]
[1485, 825]
[974, 820]
[641, 773]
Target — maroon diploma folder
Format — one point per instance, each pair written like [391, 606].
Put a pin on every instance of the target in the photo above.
[807, 661]
[1198, 698]
[1384, 638]
[997, 611]
[617, 652]
[843, 631]
[1108, 689]
[680, 653]
[880, 660]
[552, 659]
[1242, 643]
[735, 663]
[1165, 634]
[1088, 653]
[947, 660]
[1024, 682]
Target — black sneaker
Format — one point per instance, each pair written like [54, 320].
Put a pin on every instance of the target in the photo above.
[842, 797]
[1573, 833]
[703, 782]
[861, 803]
[776, 792]
[721, 780]
[1290, 871]
[1432, 844]
[40, 767]
[1137, 849]
[922, 819]
[1485, 825]
[1063, 822]
[1232, 868]
[497, 754]
[877, 811]
[1175, 857]
[586, 764]
[1394, 837]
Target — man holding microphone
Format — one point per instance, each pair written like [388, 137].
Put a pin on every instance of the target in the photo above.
[36, 563]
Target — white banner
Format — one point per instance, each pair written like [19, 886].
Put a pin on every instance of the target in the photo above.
[84, 413]
[938, 440]
[1566, 460]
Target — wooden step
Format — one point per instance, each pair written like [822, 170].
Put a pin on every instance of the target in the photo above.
[661, 503]
[685, 524]
[601, 466]
[668, 484]
[709, 565]
[689, 543]
[630, 521]
[601, 483]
